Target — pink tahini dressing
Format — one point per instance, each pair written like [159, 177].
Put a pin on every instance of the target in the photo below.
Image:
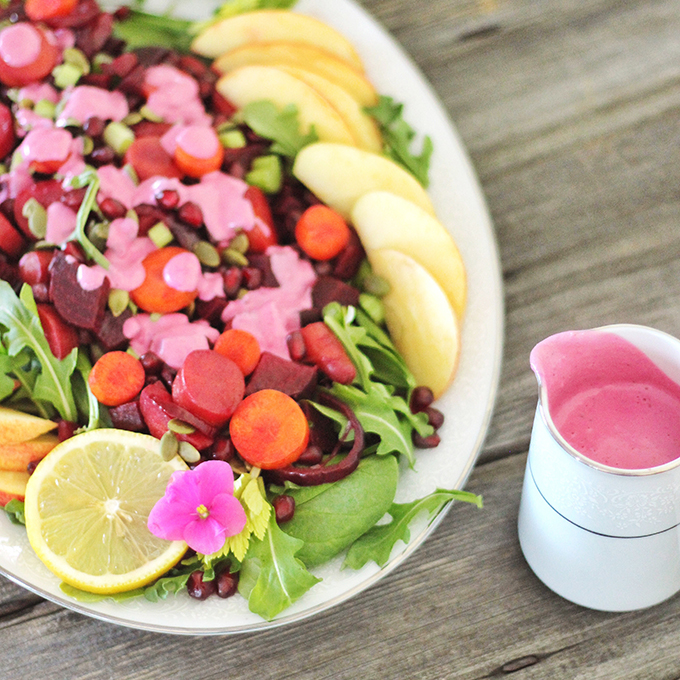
[608, 399]
[20, 45]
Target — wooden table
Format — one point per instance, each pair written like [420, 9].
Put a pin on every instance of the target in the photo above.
[570, 111]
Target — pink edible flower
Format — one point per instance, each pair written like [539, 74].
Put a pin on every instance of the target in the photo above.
[199, 508]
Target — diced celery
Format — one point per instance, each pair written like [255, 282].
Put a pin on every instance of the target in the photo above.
[160, 235]
[119, 137]
[266, 174]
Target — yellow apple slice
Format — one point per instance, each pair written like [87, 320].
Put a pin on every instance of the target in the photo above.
[339, 175]
[12, 485]
[256, 83]
[309, 57]
[420, 319]
[363, 128]
[18, 456]
[272, 25]
[17, 427]
[384, 220]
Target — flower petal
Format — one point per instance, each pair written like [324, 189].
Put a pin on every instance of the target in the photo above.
[214, 477]
[229, 512]
[204, 535]
[167, 519]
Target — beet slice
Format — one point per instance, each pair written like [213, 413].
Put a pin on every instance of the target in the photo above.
[79, 307]
[262, 262]
[155, 404]
[326, 352]
[272, 372]
[330, 289]
[61, 337]
[128, 416]
[347, 263]
[110, 332]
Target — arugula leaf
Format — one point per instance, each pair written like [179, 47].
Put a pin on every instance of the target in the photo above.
[377, 543]
[140, 29]
[15, 511]
[272, 577]
[280, 125]
[375, 414]
[398, 136]
[331, 517]
[84, 596]
[7, 366]
[23, 330]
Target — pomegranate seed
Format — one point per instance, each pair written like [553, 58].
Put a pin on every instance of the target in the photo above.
[226, 583]
[296, 346]
[434, 417]
[429, 442]
[168, 375]
[421, 398]
[168, 199]
[104, 155]
[74, 249]
[73, 199]
[94, 126]
[252, 278]
[232, 281]
[284, 507]
[191, 214]
[198, 588]
[191, 65]
[122, 13]
[121, 66]
[222, 449]
[112, 208]
[66, 429]
[30, 468]
[151, 363]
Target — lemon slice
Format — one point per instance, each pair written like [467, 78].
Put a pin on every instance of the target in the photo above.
[86, 510]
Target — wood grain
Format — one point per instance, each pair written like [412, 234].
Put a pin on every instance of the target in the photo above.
[570, 112]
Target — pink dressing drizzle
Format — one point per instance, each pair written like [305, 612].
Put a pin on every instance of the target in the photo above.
[20, 45]
[183, 272]
[172, 337]
[61, 223]
[46, 144]
[175, 96]
[270, 314]
[86, 101]
[36, 92]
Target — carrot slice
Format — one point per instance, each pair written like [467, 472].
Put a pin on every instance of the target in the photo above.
[154, 295]
[241, 347]
[269, 429]
[263, 233]
[321, 232]
[198, 151]
[116, 378]
[149, 159]
[40, 10]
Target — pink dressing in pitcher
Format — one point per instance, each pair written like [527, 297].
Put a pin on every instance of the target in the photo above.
[608, 399]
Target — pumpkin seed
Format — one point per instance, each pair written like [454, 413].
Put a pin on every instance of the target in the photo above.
[180, 427]
[169, 446]
[207, 254]
[189, 453]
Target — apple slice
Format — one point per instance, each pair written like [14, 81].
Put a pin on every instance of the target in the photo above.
[12, 485]
[17, 427]
[420, 319]
[314, 59]
[18, 456]
[270, 25]
[256, 83]
[363, 128]
[339, 175]
[384, 220]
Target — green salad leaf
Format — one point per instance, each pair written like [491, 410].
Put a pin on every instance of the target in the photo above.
[280, 125]
[15, 511]
[398, 137]
[23, 331]
[271, 576]
[85, 596]
[329, 517]
[377, 543]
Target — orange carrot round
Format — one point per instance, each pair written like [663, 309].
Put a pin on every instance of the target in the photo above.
[269, 429]
[198, 151]
[154, 295]
[116, 378]
[40, 10]
[241, 347]
[321, 232]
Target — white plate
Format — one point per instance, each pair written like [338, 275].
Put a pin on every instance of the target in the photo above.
[467, 404]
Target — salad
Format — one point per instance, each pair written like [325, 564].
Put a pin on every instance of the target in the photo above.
[176, 263]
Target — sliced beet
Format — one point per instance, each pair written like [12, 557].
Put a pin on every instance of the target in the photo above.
[79, 307]
[110, 332]
[61, 337]
[326, 352]
[211, 310]
[272, 372]
[154, 401]
[128, 417]
[329, 289]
